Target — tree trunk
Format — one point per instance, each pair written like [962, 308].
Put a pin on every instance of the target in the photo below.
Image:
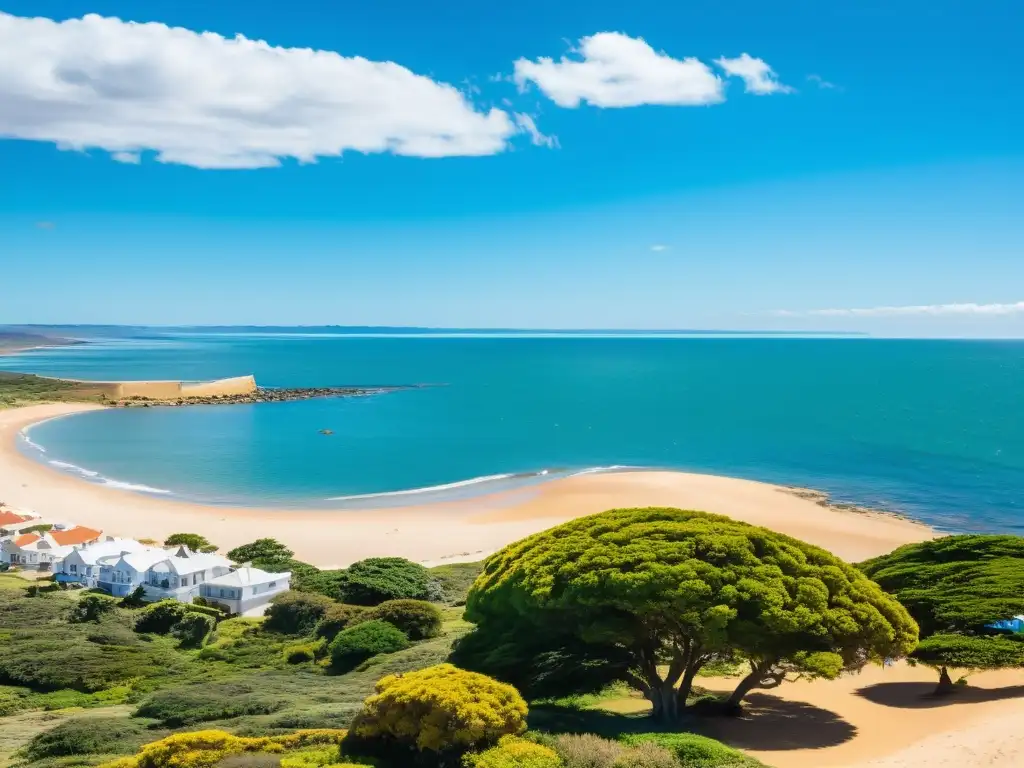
[945, 685]
[735, 701]
[664, 703]
[686, 685]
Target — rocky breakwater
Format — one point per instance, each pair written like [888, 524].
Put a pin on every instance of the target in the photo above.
[260, 395]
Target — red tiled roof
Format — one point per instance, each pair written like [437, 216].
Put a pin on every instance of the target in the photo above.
[77, 535]
[26, 539]
[9, 518]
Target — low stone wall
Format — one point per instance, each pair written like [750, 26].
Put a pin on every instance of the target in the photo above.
[173, 390]
[239, 385]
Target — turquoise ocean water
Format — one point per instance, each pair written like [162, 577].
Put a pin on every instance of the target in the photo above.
[931, 428]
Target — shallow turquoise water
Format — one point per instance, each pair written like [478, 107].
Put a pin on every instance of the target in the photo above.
[932, 428]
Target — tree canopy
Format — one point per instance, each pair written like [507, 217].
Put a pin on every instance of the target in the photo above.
[377, 579]
[953, 587]
[649, 596]
[268, 554]
[193, 541]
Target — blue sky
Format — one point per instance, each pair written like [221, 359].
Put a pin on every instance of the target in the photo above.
[862, 168]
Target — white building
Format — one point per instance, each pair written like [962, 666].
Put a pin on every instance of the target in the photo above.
[82, 565]
[245, 590]
[175, 573]
[120, 566]
[42, 550]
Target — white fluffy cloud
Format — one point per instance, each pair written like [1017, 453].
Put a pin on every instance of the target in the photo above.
[611, 69]
[757, 76]
[203, 100]
[913, 310]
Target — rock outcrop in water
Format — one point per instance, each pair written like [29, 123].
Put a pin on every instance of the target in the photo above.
[261, 395]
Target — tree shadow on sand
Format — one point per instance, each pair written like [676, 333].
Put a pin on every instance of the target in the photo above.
[770, 723]
[922, 695]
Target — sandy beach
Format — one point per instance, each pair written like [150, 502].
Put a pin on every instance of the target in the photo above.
[880, 718]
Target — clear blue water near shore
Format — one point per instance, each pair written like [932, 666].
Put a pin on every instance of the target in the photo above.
[934, 429]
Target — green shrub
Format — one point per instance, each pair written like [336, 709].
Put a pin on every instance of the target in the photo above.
[296, 613]
[340, 616]
[159, 618]
[51, 658]
[193, 629]
[416, 618]
[89, 736]
[134, 599]
[213, 612]
[646, 755]
[358, 643]
[694, 751]
[587, 750]
[513, 752]
[300, 653]
[372, 581]
[202, 703]
[92, 607]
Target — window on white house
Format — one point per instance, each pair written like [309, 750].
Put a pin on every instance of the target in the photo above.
[273, 584]
[184, 582]
[195, 579]
[74, 568]
[222, 593]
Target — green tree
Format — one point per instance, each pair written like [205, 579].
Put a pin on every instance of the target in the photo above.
[372, 581]
[92, 607]
[193, 541]
[268, 554]
[650, 596]
[953, 587]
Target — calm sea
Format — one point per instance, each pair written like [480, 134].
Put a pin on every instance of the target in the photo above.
[931, 428]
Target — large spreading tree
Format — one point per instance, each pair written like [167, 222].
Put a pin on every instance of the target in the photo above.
[650, 596]
[954, 587]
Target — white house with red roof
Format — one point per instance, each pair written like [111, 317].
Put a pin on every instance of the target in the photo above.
[39, 550]
[12, 521]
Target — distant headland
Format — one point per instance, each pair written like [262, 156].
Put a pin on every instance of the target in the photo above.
[26, 388]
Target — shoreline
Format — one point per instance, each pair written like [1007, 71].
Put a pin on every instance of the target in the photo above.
[441, 531]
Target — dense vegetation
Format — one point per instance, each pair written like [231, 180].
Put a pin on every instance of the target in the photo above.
[650, 596]
[953, 587]
[645, 599]
[25, 389]
[61, 649]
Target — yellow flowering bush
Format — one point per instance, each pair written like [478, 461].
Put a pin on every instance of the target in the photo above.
[440, 709]
[204, 749]
[513, 752]
[199, 749]
[310, 737]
